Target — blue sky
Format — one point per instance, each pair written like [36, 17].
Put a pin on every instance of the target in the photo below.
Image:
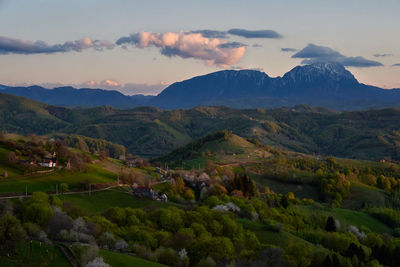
[363, 28]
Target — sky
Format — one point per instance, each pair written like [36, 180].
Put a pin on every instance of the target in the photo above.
[143, 46]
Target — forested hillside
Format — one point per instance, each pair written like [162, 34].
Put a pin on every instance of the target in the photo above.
[150, 131]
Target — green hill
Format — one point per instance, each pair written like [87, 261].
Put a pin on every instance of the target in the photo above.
[222, 147]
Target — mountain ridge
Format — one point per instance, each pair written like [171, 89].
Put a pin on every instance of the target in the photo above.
[328, 85]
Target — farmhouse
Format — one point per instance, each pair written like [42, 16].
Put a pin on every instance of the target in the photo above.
[50, 163]
[147, 192]
[133, 162]
[143, 192]
[27, 162]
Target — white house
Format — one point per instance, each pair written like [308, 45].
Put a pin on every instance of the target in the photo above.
[48, 163]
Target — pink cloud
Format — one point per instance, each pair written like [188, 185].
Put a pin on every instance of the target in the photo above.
[213, 51]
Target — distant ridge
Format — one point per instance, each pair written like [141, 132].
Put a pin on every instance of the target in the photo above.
[72, 97]
[328, 85]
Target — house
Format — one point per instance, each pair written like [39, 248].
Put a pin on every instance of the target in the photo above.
[161, 171]
[147, 192]
[143, 192]
[50, 163]
[163, 198]
[133, 162]
[197, 182]
[27, 162]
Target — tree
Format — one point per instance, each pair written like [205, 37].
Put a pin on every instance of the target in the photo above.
[179, 185]
[183, 238]
[210, 166]
[245, 184]
[206, 262]
[167, 256]
[189, 194]
[59, 221]
[290, 196]
[64, 187]
[11, 232]
[103, 155]
[284, 201]
[39, 197]
[38, 212]
[10, 158]
[330, 225]
[383, 182]
[116, 215]
[90, 254]
[171, 219]
[97, 262]
[77, 163]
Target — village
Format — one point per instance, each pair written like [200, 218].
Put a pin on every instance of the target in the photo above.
[192, 180]
[49, 161]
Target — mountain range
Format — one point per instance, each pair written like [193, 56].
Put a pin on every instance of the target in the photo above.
[327, 85]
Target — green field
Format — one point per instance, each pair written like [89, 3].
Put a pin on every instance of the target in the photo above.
[100, 201]
[47, 182]
[118, 259]
[299, 190]
[41, 255]
[363, 194]
[348, 217]
[268, 237]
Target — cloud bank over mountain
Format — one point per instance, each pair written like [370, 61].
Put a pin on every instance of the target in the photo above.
[315, 54]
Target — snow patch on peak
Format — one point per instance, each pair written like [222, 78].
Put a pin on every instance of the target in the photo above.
[327, 70]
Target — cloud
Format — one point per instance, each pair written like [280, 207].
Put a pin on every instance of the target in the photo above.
[257, 45]
[383, 55]
[396, 65]
[19, 46]
[288, 49]
[212, 34]
[255, 34]
[232, 45]
[314, 54]
[188, 45]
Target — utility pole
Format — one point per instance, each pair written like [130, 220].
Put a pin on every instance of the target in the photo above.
[56, 189]
[26, 190]
[90, 189]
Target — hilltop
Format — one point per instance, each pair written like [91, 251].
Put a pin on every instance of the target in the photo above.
[221, 147]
